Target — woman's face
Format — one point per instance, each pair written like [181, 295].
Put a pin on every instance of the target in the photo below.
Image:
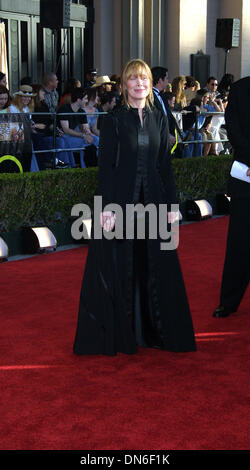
[138, 86]
[3, 81]
[3, 100]
[205, 99]
[108, 87]
[172, 102]
[25, 100]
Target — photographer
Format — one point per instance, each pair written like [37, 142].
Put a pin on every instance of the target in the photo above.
[215, 104]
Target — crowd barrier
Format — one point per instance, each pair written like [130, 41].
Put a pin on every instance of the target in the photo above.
[55, 151]
[196, 141]
[24, 118]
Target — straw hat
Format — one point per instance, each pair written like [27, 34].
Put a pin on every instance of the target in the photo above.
[25, 90]
[103, 80]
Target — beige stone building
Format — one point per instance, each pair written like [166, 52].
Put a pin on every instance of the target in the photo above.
[168, 32]
[107, 33]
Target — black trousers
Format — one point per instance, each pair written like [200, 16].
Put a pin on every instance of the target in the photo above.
[236, 273]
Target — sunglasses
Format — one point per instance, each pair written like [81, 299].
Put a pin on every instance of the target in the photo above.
[214, 84]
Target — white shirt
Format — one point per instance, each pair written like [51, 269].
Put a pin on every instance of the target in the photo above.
[157, 92]
[14, 109]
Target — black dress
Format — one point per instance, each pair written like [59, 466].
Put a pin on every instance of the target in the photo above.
[133, 292]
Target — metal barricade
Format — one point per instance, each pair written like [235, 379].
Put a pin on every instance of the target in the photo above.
[197, 141]
[54, 150]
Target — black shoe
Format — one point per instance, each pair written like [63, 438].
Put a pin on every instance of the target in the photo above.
[221, 312]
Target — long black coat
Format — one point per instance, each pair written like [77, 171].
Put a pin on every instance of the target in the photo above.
[237, 118]
[236, 272]
[134, 165]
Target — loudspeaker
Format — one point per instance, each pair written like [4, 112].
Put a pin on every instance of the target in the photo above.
[200, 67]
[55, 14]
[227, 33]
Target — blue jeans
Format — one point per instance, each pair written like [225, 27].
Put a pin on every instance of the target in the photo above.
[192, 150]
[78, 142]
[45, 142]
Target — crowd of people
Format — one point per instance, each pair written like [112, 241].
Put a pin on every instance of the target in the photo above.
[68, 123]
[198, 112]
[195, 115]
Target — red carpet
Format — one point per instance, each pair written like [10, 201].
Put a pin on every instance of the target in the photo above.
[51, 399]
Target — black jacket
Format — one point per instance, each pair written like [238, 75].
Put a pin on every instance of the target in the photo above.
[120, 171]
[171, 119]
[237, 119]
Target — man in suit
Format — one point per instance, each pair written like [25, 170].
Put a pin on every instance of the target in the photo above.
[160, 82]
[236, 273]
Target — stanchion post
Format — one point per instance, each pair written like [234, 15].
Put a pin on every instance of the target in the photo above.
[54, 141]
[196, 134]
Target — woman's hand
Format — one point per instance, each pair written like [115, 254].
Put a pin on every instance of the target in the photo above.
[107, 220]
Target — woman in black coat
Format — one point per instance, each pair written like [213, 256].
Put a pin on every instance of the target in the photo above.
[133, 292]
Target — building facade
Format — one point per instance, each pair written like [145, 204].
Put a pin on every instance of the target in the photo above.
[33, 50]
[107, 33]
[168, 32]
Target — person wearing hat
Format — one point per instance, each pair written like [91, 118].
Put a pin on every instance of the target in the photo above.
[23, 101]
[103, 84]
[90, 78]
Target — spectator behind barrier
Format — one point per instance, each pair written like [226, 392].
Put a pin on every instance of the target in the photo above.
[90, 77]
[42, 135]
[189, 131]
[23, 101]
[225, 84]
[212, 86]
[91, 110]
[4, 99]
[189, 91]
[178, 86]
[70, 85]
[50, 83]
[77, 133]
[108, 102]
[3, 80]
[102, 84]
[117, 88]
[18, 127]
[215, 104]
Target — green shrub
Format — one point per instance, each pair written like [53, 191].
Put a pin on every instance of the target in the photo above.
[48, 196]
[201, 177]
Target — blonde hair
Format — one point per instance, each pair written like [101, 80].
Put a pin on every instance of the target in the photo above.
[197, 85]
[17, 101]
[136, 67]
[177, 89]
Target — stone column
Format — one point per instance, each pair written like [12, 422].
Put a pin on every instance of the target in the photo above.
[104, 37]
[154, 32]
[132, 30]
